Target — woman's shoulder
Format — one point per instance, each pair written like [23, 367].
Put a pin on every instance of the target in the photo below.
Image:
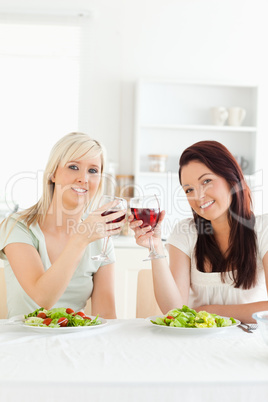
[261, 230]
[183, 236]
[14, 221]
[15, 228]
[261, 222]
[184, 226]
[11, 222]
[183, 229]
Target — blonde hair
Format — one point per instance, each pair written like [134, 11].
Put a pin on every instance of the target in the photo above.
[70, 147]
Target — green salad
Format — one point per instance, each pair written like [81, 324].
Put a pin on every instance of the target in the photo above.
[59, 317]
[189, 318]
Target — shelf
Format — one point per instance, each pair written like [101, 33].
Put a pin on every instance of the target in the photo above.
[195, 127]
[149, 81]
[156, 174]
[175, 175]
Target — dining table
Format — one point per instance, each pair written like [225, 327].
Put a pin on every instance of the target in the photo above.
[131, 360]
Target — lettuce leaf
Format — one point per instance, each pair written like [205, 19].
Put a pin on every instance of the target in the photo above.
[190, 318]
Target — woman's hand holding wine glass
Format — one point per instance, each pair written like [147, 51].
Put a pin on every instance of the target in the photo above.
[95, 226]
[111, 225]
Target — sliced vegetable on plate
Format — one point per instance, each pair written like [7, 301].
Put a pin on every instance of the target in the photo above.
[60, 317]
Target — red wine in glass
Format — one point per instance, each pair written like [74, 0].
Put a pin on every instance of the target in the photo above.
[109, 212]
[105, 213]
[147, 209]
[149, 216]
[121, 205]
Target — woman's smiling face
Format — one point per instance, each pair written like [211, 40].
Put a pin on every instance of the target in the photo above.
[208, 194]
[77, 181]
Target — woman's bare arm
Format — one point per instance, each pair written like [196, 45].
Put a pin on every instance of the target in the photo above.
[103, 298]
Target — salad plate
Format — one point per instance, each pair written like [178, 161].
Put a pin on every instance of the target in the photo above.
[63, 330]
[192, 331]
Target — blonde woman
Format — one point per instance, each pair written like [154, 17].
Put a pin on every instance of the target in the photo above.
[47, 248]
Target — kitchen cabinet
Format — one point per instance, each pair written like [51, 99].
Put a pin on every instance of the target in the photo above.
[129, 262]
[172, 115]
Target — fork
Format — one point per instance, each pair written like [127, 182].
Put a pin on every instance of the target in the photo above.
[246, 329]
[250, 326]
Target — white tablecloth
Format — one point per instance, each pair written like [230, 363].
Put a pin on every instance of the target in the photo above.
[130, 360]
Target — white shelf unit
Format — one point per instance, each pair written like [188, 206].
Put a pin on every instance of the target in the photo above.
[172, 115]
[196, 127]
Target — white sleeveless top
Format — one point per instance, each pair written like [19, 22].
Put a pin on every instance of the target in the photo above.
[207, 287]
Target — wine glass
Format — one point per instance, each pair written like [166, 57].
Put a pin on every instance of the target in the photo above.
[121, 205]
[147, 209]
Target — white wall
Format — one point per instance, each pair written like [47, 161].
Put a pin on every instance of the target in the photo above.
[223, 40]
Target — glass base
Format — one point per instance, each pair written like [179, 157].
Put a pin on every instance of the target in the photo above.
[101, 257]
[154, 256]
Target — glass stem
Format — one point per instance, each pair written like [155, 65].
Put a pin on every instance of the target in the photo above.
[105, 244]
[151, 244]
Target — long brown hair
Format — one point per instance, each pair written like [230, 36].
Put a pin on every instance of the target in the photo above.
[240, 258]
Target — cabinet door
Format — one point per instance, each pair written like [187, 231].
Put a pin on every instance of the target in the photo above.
[128, 264]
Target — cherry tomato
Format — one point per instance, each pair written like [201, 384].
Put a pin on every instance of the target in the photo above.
[81, 314]
[170, 317]
[42, 315]
[87, 318]
[47, 321]
[63, 321]
[69, 311]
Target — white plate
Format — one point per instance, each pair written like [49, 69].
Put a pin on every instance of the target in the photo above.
[190, 330]
[65, 330]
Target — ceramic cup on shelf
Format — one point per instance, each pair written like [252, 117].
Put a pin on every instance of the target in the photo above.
[242, 162]
[219, 115]
[236, 116]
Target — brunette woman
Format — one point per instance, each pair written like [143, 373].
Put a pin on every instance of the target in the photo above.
[218, 260]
